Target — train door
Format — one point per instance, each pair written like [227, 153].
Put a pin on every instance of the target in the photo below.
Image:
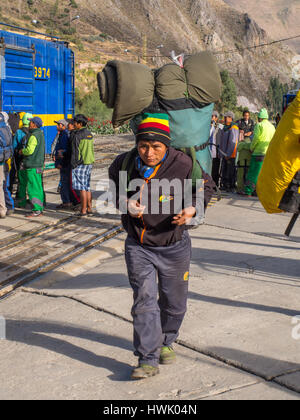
[17, 79]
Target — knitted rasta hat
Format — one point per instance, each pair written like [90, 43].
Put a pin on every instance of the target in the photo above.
[154, 127]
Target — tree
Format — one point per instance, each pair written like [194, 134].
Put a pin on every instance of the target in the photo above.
[275, 94]
[228, 99]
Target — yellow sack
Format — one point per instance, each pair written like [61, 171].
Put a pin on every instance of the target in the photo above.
[21, 117]
[282, 160]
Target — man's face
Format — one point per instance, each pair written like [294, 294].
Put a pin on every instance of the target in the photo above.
[151, 152]
[71, 127]
[246, 116]
[228, 120]
[77, 125]
[60, 127]
[214, 118]
[32, 126]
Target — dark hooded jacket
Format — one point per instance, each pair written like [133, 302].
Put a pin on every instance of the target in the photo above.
[155, 228]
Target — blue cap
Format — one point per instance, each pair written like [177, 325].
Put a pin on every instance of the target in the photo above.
[37, 121]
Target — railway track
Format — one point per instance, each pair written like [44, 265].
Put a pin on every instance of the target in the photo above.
[42, 250]
[105, 152]
[25, 256]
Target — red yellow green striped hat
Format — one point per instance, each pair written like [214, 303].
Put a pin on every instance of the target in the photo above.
[154, 127]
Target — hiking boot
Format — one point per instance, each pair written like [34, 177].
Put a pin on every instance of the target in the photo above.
[167, 356]
[144, 371]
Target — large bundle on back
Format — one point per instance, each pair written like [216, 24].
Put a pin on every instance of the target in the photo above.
[186, 93]
[127, 88]
[282, 162]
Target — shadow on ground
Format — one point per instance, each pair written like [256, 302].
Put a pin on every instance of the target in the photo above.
[36, 333]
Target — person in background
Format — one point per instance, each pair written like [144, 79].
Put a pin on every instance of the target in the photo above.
[5, 159]
[277, 119]
[30, 174]
[7, 133]
[75, 194]
[228, 148]
[19, 142]
[246, 126]
[62, 162]
[214, 142]
[82, 159]
[3, 208]
[263, 134]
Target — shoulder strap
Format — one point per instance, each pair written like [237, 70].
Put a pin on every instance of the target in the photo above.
[196, 171]
[25, 130]
[2, 136]
[128, 164]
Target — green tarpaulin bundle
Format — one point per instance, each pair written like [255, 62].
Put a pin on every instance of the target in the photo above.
[187, 94]
[129, 88]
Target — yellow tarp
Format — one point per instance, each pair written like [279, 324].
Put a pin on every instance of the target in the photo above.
[282, 160]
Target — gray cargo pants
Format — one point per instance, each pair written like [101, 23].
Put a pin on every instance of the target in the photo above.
[156, 322]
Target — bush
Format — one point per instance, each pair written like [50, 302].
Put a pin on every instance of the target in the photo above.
[105, 128]
[98, 114]
[73, 4]
[91, 106]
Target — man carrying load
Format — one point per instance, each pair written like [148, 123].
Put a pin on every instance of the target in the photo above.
[158, 243]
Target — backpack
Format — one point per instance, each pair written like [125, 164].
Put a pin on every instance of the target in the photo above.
[6, 148]
[25, 138]
[14, 121]
[197, 172]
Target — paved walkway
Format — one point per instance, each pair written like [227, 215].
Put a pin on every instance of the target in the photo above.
[69, 333]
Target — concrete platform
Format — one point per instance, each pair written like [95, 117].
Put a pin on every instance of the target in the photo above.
[69, 333]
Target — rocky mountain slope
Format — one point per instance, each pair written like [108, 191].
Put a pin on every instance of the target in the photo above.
[280, 18]
[149, 29]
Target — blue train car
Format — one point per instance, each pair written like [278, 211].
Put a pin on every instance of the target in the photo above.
[37, 76]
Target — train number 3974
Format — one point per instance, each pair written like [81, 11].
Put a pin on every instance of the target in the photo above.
[41, 73]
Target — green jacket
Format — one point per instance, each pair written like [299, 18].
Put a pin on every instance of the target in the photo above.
[82, 144]
[34, 152]
[263, 134]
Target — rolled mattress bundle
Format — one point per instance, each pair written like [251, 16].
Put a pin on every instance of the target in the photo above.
[187, 94]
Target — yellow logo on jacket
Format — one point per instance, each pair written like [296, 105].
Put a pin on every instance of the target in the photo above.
[165, 198]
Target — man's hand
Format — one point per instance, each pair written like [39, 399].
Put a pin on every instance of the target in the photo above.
[185, 217]
[135, 209]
